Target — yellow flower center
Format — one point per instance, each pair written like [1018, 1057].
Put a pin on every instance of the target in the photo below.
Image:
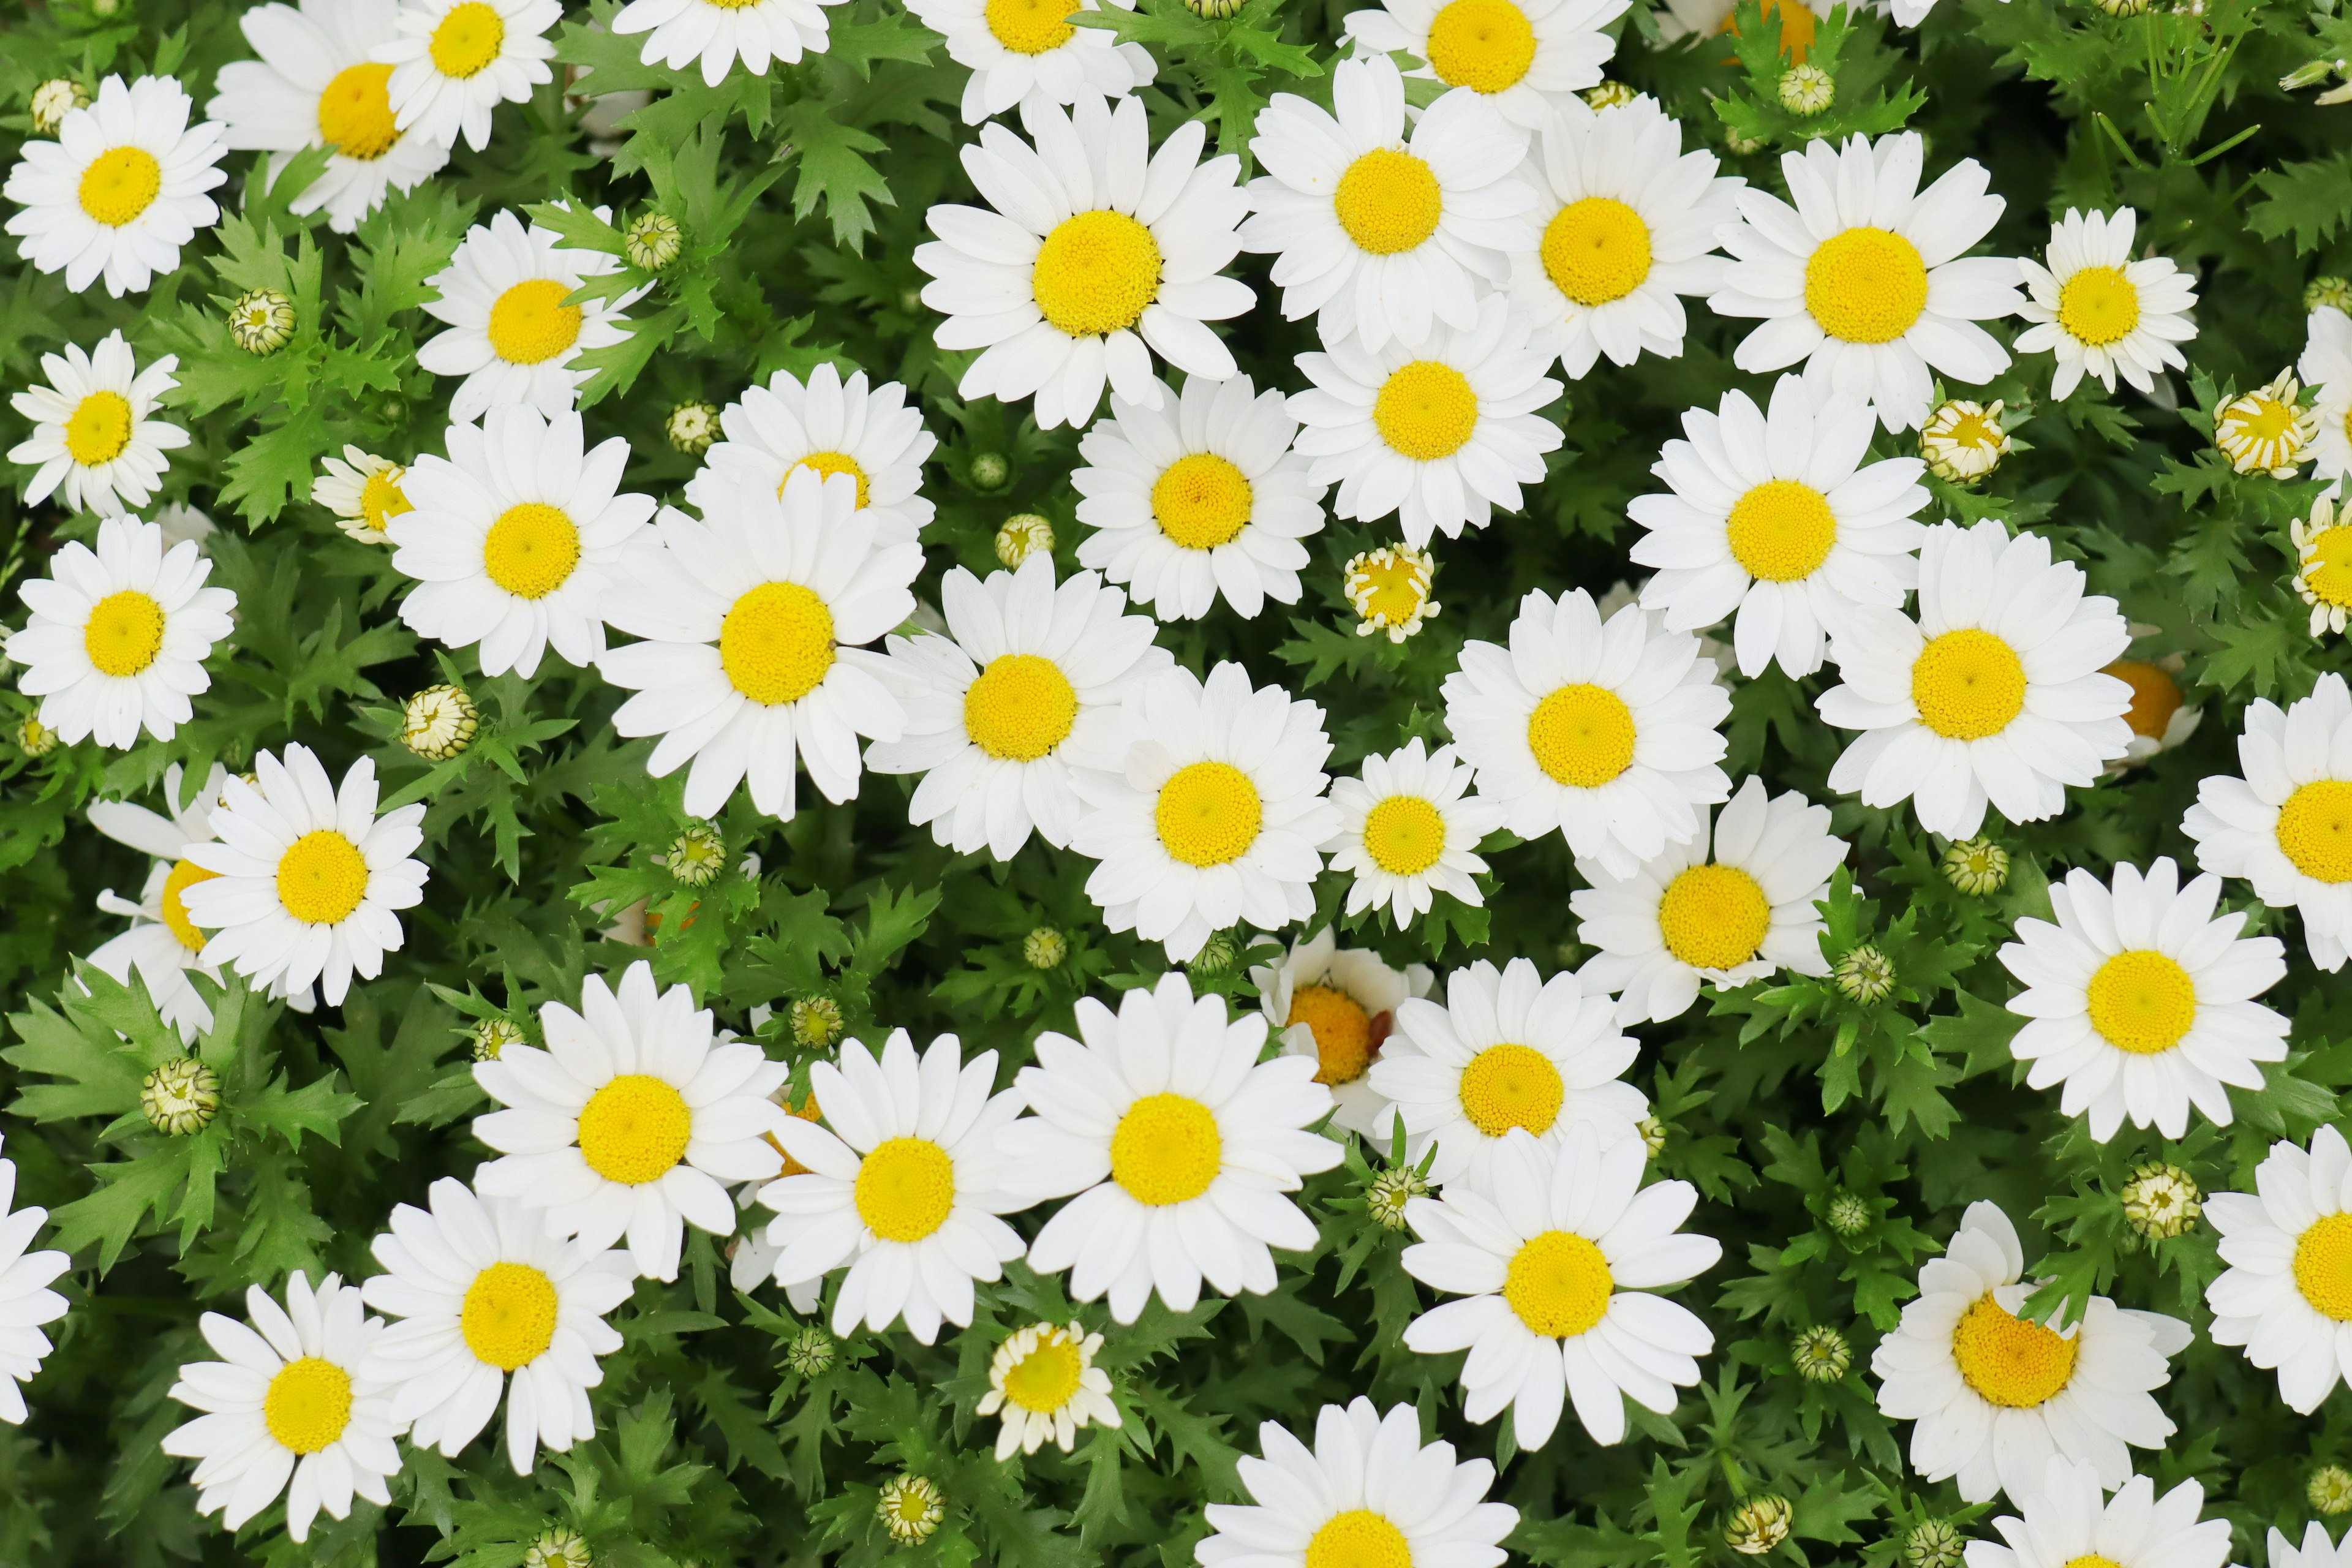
[2156, 696]
[2142, 1002]
[1484, 45]
[1559, 1284]
[308, 1403]
[2327, 572]
[2323, 1266]
[124, 633]
[1388, 201]
[1021, 707]
[1980, 429]
[826, 465]
[1597, 249]
[2008, 1360]
[121, 183]
[2098, 306]
[2261, 420]
[1030, 27]
[1581, 735]
[1782, 531]
[469, 38]
[1866, 286]
[184, 875]
[531, 324]
[2092, 1560]
[1166, 1149]
[634, 1130]
[381, 499]
[1509, 1086]
[1967, 684]
[531, 549]
[355, 112]
[776, 643]
[1208, 813]
[508, 1318]
[904, 1189]
[1426, 410]
[1405, 834]
[1342, 1030]
[2314, 830]
[1714, 917]
[1045, 1379]
[99, 429]
[322, 877]
[1096, 273]
[1201, 500]
[1389, 586]
[1359, 1538]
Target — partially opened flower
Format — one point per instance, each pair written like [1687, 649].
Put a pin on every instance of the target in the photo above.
[1043, 1383]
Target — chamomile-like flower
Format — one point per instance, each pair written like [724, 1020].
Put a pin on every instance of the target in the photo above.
[2326, 368]
[162, 944]
[454, 61]
[2067, 1520]
[1409, 829]
[1529, 59]
[2323, 547]
[511, 335]
[121, 190]
[717, 32]
[1025, 52]
[2287, 1292]
[2268, 430]
[26, 1301]
[834, 427]
[2100, 311]
[1045, 1385]
[95, 434]
[364, 492]
[1338, 1005]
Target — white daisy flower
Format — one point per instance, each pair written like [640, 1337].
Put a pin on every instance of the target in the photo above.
[1382, 233]
[515, 539]
[162, 943]
[364, 492]
[1337, 1005]
[2142, 1003]
[1997, 694]
[1865, 279]
[2067, 1521]
[1205, 806]
[903, 1185]
[1198, 495]
[119, 636]
[453, 61]
[2099, 310]
[1026, 52]
[95, 433]
[2268, 430]
[1554, 1256]
[1028, 675]
[717, 32]
[2287, 825]
[1369, 1492]
[1682, 918]
[121, 190]
[305, 877]
[1626, 225]
[1605, 730]
[511, 335]
[287, 1409]
[835, 428]
[1044, 1382]
[490, 1303]
[1778, 519]
[1995, 1396]
[1179, 1145]
[631, 1121]
[318, 84]
[1409, 830]
[1529, 59]
[1440, 434]
[2326, 368]
[1089, 257]
[2318, 1550]
[2287, 1292]
[26, 1301]
[754, 620]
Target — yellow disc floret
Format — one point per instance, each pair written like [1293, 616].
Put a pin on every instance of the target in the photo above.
[1967, 684]
[776, 643]
[508, 1318]
[1388, 201]
[322, 877]
[1866, 286]
[1782, 531]
[1030, 27]
[2009, 1361]
[1509, 1086]
[1426, 410]
[1581, 735]
[1484, 45]
[1208, 813]
[1342, 1031]
[2314, 830]
[1166, 1149]
[1596, 250]
[308, 1405]
[1202, 501]
[1558, 1283]
[1714, 917]
[531, 549]
[906, 1189]
[382, 498]
[2098, 306]
[531, 324]
[99, 429]
[2142, 1002]
[634, 1130]
[184, 874]
[468, 40]
[2328, 558]
[355, 112]
[1358, 1538]
[1405, 834]
[1021, 707]
[2323, 1266]
[124, 633]
[119, 183]
[1096, 273]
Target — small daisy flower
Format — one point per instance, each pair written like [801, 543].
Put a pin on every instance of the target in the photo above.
[1027, 52]
[2323, 545]
[1338, 1005]
[162, 943]
[2160, 717]
[121, 190]
[2099, 310]
[1389, 588]
[1176, 1146]
[2326, 368]
[24, 1277]
[95, 434]
[1093, 254]
[2267, 431]
[1044, 1382]
[286, 1409]
[1553, 1259]
[1379, 230]
[364, 492]
[511, 335]
[1196, 496]
[910, 1508]
[453, 61]
[1964, 441]
[1407, 832]
[2287, 1292]
[1604, 731]
[1865, 279]
[2067, 1519]
[61, 96]
[1529, 59]
[1995, 696]
[717, 32]
[835, 428]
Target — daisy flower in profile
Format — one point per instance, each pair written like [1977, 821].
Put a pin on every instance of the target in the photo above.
[1205, 807]
[2099, 310]
[753, 620]
[1379, 231]
[287, 1408]
[1369, 1492]
[305, 877]
[511, 335]
[1778, 519]
[1865, 279]
[834, 427]
[26, 1301]
[490, 1303]
[1554, 1259]
[515, 538]
[2267, 431]
[2142, 1003]
[2287, 825]
[2326, 368]
[95, 434]
[453, 61]
[1997, 694]
[1177, 1144]
[2068, 1520]
[1337, 1005]
[1995, 1396]
[1028, 675]
[1198, 495]
[162, 943]
[1409, 829]
[1093, 254]
[119, 636]
[364, 492]
[121, 190]
[1625, 227]
[1682, 918]
[1025, 52]
[1439, 434]
[1529, 59]
[318, 84]
[2287, 1292]
[903, 1184]
[631, 1121]
[1604, 730]
[717, 32]
[1044, 1385]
